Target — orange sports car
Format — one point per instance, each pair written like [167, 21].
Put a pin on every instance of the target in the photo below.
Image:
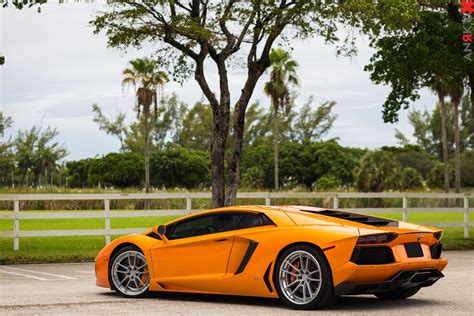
[305, 256]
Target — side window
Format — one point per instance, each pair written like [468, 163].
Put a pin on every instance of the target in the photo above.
[248, 220]
[204, 225]
[225, 221]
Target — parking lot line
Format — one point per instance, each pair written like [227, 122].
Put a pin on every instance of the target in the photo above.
[42, 273]
[24, 275]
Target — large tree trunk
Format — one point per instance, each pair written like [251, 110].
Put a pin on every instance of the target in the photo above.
[444, 139]
[219, 140]
[147, 159]
[233, 181]
[276, 146]
[220, 126]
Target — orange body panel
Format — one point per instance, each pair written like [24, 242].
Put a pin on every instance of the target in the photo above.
[210, 263]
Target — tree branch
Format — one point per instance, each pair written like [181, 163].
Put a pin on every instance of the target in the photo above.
[179, 4]
[222, 23]
[201, 79]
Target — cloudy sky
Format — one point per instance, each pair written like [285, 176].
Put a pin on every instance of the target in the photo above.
[56, 69]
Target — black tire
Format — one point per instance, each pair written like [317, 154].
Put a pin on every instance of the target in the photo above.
[325, 297]
[397, 294]
[114, 286]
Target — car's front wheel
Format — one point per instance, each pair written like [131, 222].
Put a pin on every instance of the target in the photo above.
[129, 273]
[303, 278]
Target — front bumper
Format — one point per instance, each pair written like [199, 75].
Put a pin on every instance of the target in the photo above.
[402, 280]
[102, 271]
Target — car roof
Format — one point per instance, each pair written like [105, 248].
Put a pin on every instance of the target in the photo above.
[252, 209]
[264, 208]
[236, 208]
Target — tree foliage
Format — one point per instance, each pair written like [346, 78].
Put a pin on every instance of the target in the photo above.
[282, 78]
[312, 124]
[301, 165]
[427, 128]
[196, 130]
[408, 61]
[411, 179]
[377, 171]
[117, 170]
[78, 173]
[38, 154]
[180, 168]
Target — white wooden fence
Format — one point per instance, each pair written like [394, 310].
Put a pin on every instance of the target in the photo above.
[266, 197]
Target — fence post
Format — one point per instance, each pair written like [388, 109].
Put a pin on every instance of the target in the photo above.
[16, 225]
[335, 202]
[466, 217]
[107, 220]
[405, 208]
[189, 204]
[268, 202]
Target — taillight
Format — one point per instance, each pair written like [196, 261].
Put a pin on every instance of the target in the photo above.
[438, 235]
[376, 239]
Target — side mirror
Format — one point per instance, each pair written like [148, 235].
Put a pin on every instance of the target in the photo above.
[160, 230]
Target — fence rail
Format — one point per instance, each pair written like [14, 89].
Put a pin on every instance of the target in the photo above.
[107, 214]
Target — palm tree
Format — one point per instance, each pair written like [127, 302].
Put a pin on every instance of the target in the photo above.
[441, 90]
[456, 92]
[147, 80]
[282, 77]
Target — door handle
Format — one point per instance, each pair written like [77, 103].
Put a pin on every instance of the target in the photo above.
[219, 240]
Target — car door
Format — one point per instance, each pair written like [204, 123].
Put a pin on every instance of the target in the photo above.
[246, 240]
[197, 248]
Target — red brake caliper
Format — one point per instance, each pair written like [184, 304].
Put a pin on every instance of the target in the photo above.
[297, 266]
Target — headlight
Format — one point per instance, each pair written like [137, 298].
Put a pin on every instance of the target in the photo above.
[376, 239]
[438, 235]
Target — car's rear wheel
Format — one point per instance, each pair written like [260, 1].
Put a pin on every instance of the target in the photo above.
[397, 294]
[129, 272]
[303, 278]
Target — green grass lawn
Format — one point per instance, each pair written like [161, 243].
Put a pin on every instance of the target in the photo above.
[64, 249]
[74, 249]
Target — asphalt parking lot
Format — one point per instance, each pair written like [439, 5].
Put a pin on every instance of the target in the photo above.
[70, 289]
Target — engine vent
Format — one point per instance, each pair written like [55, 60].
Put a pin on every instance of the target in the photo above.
[359, 218]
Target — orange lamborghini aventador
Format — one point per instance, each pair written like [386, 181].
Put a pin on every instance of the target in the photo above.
[305, 256]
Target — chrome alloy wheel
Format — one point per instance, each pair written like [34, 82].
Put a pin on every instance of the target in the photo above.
[130, 273]
[300, 277]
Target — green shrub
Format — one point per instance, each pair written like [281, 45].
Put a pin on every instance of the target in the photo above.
[78, 172]
[378, 171]
[436, 176]
[253, 178]
[467, 169]
[411, 179]
[327, 182]
[117, 169]
[180, 167]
